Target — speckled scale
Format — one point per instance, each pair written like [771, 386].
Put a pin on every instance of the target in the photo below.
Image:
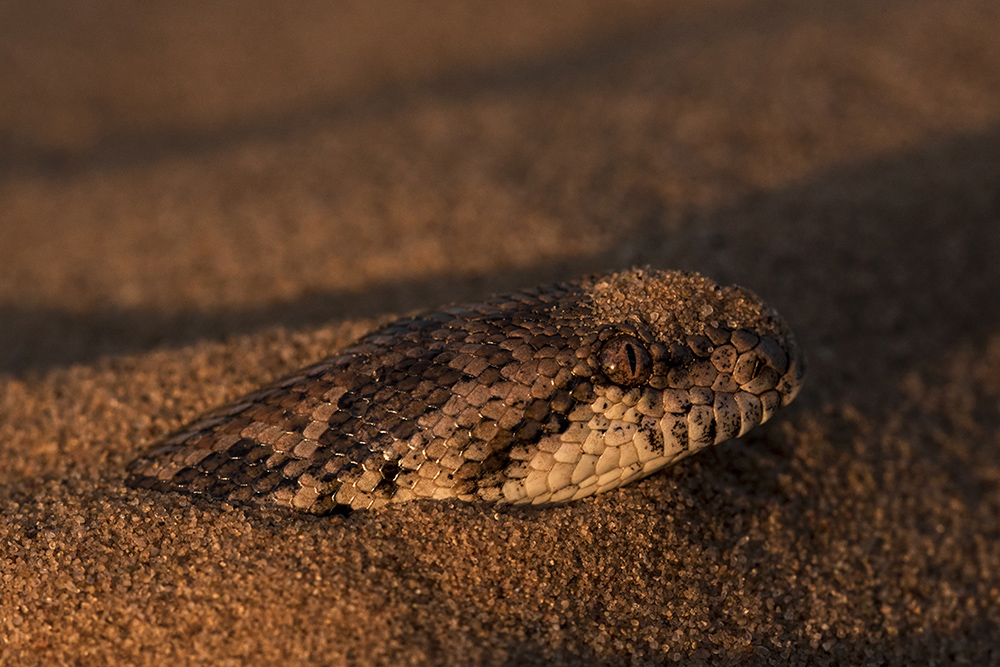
[504, 401]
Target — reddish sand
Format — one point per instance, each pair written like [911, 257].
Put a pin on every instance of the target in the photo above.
[197, 197]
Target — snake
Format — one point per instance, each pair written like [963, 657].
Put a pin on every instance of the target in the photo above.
[536, 397]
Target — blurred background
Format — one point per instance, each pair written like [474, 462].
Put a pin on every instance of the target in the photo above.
[191, 169]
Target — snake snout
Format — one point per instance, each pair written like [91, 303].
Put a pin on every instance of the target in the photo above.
[791, 380]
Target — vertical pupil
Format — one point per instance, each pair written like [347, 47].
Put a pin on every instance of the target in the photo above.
[630, 351]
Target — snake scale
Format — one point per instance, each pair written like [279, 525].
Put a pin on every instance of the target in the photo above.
[536, 397]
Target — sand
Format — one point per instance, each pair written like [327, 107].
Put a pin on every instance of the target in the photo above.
[199, 197]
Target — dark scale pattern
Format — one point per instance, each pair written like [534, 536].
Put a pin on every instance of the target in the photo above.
[540, 396]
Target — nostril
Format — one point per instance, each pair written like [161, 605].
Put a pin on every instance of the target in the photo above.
[773, 354]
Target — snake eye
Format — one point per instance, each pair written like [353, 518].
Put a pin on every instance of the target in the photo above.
[626, 361]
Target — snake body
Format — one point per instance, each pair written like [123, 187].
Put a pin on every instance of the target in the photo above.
[541, 396]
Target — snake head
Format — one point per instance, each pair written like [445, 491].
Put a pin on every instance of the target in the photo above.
[680, 330]
[679, 363]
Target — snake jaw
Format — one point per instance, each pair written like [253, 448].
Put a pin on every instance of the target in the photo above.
[536, 397]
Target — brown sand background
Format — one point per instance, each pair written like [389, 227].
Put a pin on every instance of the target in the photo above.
[196, 197]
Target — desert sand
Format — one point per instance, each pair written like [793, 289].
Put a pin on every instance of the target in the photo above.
[198, 197]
